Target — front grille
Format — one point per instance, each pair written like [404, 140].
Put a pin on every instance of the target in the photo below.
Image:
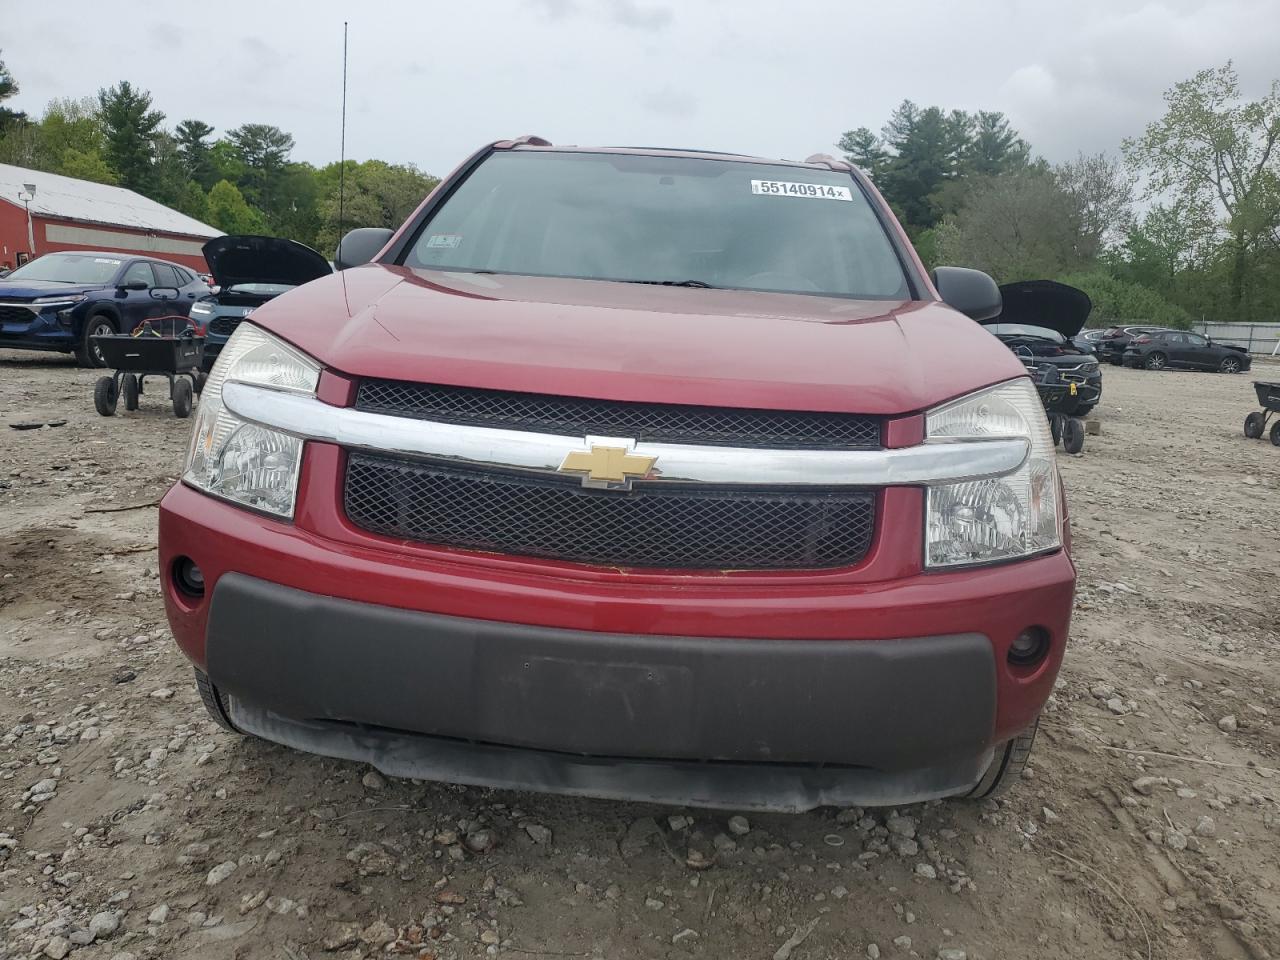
[12, 314]
[679, 528]
[576, 416]
[223, 326]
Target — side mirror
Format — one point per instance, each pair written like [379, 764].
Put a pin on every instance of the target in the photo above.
[360, 246]
[134, 285]
[971, 292]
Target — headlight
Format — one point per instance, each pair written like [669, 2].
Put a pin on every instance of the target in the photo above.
[201, 309]
[1003, 518]
[247, 464]
[61, 300]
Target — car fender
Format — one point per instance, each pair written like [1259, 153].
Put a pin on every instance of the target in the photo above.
[92, 308]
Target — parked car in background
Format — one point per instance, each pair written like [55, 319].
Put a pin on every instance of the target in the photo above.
[1087, 340]
[676, 468]
[1037, 322]
[247, 272]
[1178, 348]
[61, 300]
[1114, 340]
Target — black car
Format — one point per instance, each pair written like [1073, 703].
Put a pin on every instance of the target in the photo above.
[1037, 322]
[247, 271]
[1111, 346]
[1176, 348]
[60, 301]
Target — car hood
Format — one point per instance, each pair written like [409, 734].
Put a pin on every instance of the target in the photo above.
[30, 289]
[1045, 303]
[249, 259]
[621, 341]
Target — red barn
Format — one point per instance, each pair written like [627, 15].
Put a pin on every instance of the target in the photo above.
[69, 214]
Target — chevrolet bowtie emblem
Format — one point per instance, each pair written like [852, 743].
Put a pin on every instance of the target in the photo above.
[607, 466]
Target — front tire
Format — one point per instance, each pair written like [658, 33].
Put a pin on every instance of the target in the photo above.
[1230, 365]
[1156, 361]
[87, 354]
[215, 702]
[1073, 435]
[1006, 766]
[182, 398]
[131, 392]
[104, 396]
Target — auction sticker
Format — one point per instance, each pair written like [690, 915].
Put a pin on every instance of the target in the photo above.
[444, 241]
[787, 188]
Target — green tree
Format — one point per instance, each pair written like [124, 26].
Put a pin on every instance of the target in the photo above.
[196, 152]
[928, 149]
[1117, 300]
[227, 210]
[86, 165]
[8, 88]
[864, 150]
[994, 147]
[131, 128]
[1214, 148]
[1103, 196]
[1019, 226]
[378, 195]
[264, 151]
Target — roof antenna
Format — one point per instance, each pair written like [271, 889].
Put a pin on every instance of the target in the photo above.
[342, 155]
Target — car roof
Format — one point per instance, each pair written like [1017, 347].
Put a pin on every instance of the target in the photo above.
[690, 153]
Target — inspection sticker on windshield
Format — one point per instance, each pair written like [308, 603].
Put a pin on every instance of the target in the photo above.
[786, 188]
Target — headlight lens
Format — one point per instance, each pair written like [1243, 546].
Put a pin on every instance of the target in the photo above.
[1002, 518]
[201, 309]
[60, 299]
[247, 464]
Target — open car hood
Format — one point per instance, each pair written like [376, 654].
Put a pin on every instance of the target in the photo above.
[250, 259]
[1045, 303]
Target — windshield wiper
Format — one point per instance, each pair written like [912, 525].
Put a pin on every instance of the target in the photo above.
[675, 283]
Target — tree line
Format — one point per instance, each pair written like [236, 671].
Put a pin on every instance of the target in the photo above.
[242, 181]
[1184, 223]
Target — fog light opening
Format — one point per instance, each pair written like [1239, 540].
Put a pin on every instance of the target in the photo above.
[1029, 647]
[188, 578]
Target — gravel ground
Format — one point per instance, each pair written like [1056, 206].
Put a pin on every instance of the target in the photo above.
[1147, 825]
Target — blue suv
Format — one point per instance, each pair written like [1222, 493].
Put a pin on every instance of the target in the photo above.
[61, 300]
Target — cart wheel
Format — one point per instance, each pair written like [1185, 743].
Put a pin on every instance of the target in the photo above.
[182, 398]
[130, 392]
[1253, 425]
[1055, 427]
[1275, 433]
[104, 396]
[1073, 435]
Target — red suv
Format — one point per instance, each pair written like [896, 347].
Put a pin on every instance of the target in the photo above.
[636, 473]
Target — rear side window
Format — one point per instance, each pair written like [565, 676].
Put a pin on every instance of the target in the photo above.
[663, 219]
[167, 276]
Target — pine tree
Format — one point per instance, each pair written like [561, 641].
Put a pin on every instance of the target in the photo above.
[132, 129]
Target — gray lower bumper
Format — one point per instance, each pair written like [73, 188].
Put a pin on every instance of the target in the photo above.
[720, 722]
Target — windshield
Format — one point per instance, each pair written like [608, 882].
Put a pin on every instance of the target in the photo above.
[68, 268]
[1025, 330]
[662, 219]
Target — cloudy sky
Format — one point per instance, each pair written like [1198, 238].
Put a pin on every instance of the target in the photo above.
[431, 81]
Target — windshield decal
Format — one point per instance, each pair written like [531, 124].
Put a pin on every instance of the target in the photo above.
[114, 263]
[444, 241]
[788, 188]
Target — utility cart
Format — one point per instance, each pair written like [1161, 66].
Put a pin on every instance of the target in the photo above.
[1060, 401]
[147, 352]
[1255, 424]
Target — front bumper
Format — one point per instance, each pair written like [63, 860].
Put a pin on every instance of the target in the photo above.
[680, 719]
[882, 684]
[49, 329]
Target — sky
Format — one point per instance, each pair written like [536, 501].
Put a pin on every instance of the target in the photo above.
[430, 81]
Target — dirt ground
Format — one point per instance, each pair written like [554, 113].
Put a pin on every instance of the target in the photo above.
[1148, 826]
